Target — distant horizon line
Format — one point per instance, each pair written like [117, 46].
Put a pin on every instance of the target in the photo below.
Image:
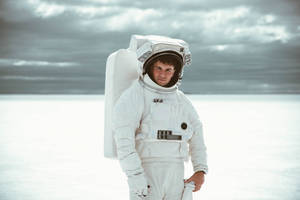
[188, 93]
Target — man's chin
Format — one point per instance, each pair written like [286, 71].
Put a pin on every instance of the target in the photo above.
[162, 84]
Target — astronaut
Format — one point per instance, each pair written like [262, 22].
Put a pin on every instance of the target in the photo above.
[156, 128]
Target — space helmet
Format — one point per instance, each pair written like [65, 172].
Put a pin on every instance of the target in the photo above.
[151, 48]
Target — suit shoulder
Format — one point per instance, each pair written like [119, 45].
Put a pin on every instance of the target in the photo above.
[132, 94]
[184, 98]
[134, 89]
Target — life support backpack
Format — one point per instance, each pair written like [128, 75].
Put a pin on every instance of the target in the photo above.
[121, 71]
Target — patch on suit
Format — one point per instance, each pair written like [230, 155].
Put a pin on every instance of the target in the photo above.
[184, 125]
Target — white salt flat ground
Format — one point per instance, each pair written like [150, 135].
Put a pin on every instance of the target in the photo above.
[51, 148]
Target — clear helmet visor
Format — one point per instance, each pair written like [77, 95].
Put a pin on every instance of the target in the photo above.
[167, 57]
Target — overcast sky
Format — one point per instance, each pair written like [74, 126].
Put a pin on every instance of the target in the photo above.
[238, 46]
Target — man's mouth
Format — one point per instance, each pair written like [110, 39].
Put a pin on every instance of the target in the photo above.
[162, 80]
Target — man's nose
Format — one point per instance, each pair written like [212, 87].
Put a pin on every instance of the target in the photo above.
[162, 74]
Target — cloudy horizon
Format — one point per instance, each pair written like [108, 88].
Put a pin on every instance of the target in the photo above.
[238, 46]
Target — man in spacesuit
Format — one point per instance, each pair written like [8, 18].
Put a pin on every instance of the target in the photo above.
[155, 125]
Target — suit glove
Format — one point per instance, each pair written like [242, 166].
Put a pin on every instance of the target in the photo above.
[138, 185]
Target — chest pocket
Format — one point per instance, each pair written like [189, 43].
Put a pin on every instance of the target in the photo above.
[166, 115]
[161, 115]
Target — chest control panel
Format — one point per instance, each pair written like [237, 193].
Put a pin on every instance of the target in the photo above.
[167, 135]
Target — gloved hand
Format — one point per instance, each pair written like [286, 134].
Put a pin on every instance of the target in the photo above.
[138, 185]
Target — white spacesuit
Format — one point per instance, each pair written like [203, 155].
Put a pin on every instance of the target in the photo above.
[156, 128]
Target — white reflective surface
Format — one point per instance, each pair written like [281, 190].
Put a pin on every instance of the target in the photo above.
[51, 147]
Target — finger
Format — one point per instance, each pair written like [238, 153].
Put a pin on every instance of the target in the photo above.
[190, 180]
[197, 188]
[197, 182]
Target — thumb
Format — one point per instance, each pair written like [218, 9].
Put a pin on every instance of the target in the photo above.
[187, 180]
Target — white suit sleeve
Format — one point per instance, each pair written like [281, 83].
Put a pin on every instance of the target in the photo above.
[126, 118]
[197, 147]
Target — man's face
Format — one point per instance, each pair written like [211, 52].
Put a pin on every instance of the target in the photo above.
[162, 73]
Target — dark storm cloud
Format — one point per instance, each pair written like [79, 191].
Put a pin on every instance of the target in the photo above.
[60, 37]
[240, 43]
